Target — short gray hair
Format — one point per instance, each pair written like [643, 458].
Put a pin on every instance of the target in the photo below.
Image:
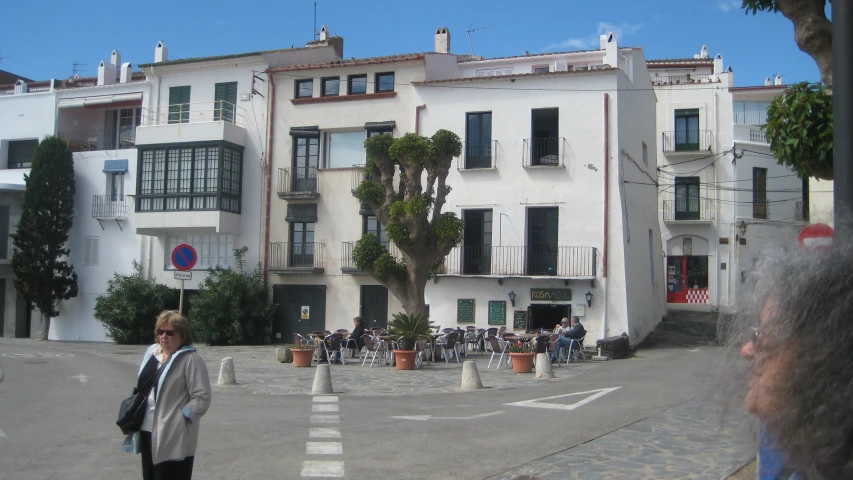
[576, 319]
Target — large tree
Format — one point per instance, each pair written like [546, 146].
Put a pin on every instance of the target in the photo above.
[42, 274]
[410, 210]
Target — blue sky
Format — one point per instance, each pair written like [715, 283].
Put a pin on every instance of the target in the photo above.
[45, 38]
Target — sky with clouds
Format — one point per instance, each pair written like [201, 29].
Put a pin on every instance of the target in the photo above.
[756, 47]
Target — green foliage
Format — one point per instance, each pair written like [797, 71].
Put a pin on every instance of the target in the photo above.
[755, 6]
[446, 142]
[409, 328]
[377, 146]
[370, 191]
[520, 347]
[231, 306]
[799, 129]
[131, 306]
[413, 147]
[370, 254]
[42, 274]
[419, 205]
[449, 228]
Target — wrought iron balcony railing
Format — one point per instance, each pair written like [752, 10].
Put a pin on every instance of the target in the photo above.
[476, 155]
[690, 209]
[801, 211]
[538, 260]
[760, 209]
[347, 262]
[96, 139]
[686, 79]
[109, 206]
[297, 256]
[687, 141]
[544, 152]
[298, 181]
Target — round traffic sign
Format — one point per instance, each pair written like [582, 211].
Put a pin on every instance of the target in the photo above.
[815, 237]
[184, 257]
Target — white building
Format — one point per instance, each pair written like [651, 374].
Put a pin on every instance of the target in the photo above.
[558, 152]
[723, 197]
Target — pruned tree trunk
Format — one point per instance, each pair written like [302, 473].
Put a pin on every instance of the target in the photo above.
[46, 330]
[812, 31]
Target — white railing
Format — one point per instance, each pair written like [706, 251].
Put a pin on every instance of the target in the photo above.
[751, 118]
[686, 79]
[749, 133]
[218, 111]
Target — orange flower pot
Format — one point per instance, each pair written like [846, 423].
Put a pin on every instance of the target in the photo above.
[302, 357]
[405, 359]
[521, 362]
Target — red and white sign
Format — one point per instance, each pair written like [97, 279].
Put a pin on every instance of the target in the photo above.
[816, 237]
[184, 257]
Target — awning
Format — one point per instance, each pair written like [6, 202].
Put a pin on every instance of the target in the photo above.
[301, 212]
[312, 131]
[380, 126]
[115, 166]
[98, 100]
[365, 209]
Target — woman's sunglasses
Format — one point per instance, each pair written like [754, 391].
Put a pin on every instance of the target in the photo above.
[169, 333]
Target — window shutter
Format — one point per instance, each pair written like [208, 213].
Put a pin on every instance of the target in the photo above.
[91, 257]
[177, 96]
[225, 98]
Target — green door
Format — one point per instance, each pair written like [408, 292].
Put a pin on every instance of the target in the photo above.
[299, 309]
[374, 306]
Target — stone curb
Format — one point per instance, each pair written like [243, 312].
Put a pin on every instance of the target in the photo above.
[1, 374]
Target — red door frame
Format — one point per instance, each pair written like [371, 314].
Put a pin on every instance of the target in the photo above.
[672, 294]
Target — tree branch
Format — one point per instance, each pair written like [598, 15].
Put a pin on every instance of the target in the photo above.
[812, 31]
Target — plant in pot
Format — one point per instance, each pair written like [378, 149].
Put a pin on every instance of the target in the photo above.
[303, 354]
[521, 357]
[408, 328]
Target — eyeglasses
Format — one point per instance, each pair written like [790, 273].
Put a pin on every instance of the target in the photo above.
[169, 333]
[756, 331]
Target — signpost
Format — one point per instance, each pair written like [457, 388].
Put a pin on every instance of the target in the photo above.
[816, 237]
[184, 258]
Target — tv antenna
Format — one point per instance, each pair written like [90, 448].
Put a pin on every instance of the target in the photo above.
[316, 34]
[75, 68]
[472, 30]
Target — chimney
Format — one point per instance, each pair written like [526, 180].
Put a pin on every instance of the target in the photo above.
[161, 53]
[611, 52]
[106, 73]
[767, 82]
[442, 40]
[602, 42]
[115, 58]
[324, 33]
[126, 73]
[20, 87]
[704, 52]
[718, 64]
[777, 80]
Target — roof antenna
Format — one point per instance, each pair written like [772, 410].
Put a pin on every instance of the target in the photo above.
[472, 30]
[75, 68]
[316, 35]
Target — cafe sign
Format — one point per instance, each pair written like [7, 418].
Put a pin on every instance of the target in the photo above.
[551, 294]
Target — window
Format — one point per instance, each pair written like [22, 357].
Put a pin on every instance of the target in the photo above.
[545, 142]
[372, 225]
[213, 250]
[330, 87]
[384, 82]
[225, 101]
[302, 244]
[357, 84]
[645, 154]
[91, 256]
[115, 186]
[200, 177]
[129, 119]
[542, 235]
[477, 242]
[687, 198]
[383, 131]
[687, 129]
[478, 140]
[179, 104]
[21, 153]
[541, 69]
[304, 88]
[759, 192]
[344, 149]
[306, 158]
[750, 113]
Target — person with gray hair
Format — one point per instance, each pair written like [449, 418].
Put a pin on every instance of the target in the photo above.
[576, 332]
[795, 330]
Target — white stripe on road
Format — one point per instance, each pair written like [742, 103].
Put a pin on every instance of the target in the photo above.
[324, 448]
[332, 432]
[325, 469]
[2, 434]
[325, 399]
[324, 408]
[325, 419]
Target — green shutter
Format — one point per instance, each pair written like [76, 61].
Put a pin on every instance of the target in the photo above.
[4, 232]
[179, 104]
[225, 101]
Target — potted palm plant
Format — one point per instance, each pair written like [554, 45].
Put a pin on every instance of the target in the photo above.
[408, 328]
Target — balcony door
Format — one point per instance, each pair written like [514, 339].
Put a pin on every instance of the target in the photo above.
[478, 140]
[301, 244]
[687, 198]
[542, 235]
[544, 132]
[306, 159]
[477, 242]
[687, 129]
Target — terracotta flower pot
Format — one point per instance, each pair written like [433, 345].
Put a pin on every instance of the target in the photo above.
[302, 357]
[522, 362]
[405, 359]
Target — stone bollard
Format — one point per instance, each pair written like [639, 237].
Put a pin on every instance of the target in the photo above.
[543, 366]
[470, 376]
[226, 372]
[322, 380]
[284, 355]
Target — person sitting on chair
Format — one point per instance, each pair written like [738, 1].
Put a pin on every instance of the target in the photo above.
[562, 327]
[576, 332]
[357, 334]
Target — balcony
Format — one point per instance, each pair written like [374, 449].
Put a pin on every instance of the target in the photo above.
[693, 210]
[544, 152]
[108, 207]
[192, 122]
[288, 258]
[801, 211]
[298, 183]
[347, 263]
[760, 209]
[750, 134]
[477, 156]
[687, 141]
[96, 139]
[686, 79]
[499, 261]
[750, 118]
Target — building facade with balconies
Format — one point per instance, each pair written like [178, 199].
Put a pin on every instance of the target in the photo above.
[716, 174]
[552, 146]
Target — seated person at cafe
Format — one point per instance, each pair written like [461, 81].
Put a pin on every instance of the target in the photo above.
[562, 326]
[357, 334]
[576, 332]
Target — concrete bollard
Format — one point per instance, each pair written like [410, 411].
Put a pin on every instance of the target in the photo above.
[284, 355]
[226, 372]
[322, 380]
[543, 366]
[470, 376]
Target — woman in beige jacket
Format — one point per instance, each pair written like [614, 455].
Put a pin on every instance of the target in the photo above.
[169, 434]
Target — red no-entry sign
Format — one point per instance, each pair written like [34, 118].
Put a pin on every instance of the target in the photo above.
[815, 237]
[184, 257]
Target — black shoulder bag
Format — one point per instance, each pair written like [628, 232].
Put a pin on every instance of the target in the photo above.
[131, 413]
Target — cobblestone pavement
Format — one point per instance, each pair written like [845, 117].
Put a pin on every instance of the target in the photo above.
[688, 441]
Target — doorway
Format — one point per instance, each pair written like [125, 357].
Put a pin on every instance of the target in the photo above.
[299, 309]
[687, 279]
[542, 236]
[544, 131]
[374, 306]
[547, 316]
[23, 318]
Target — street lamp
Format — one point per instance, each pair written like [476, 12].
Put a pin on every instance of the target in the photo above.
[511, 295]
[588, 296]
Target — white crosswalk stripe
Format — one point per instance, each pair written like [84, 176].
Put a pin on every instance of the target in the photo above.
[324, 468]
[2, 434]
